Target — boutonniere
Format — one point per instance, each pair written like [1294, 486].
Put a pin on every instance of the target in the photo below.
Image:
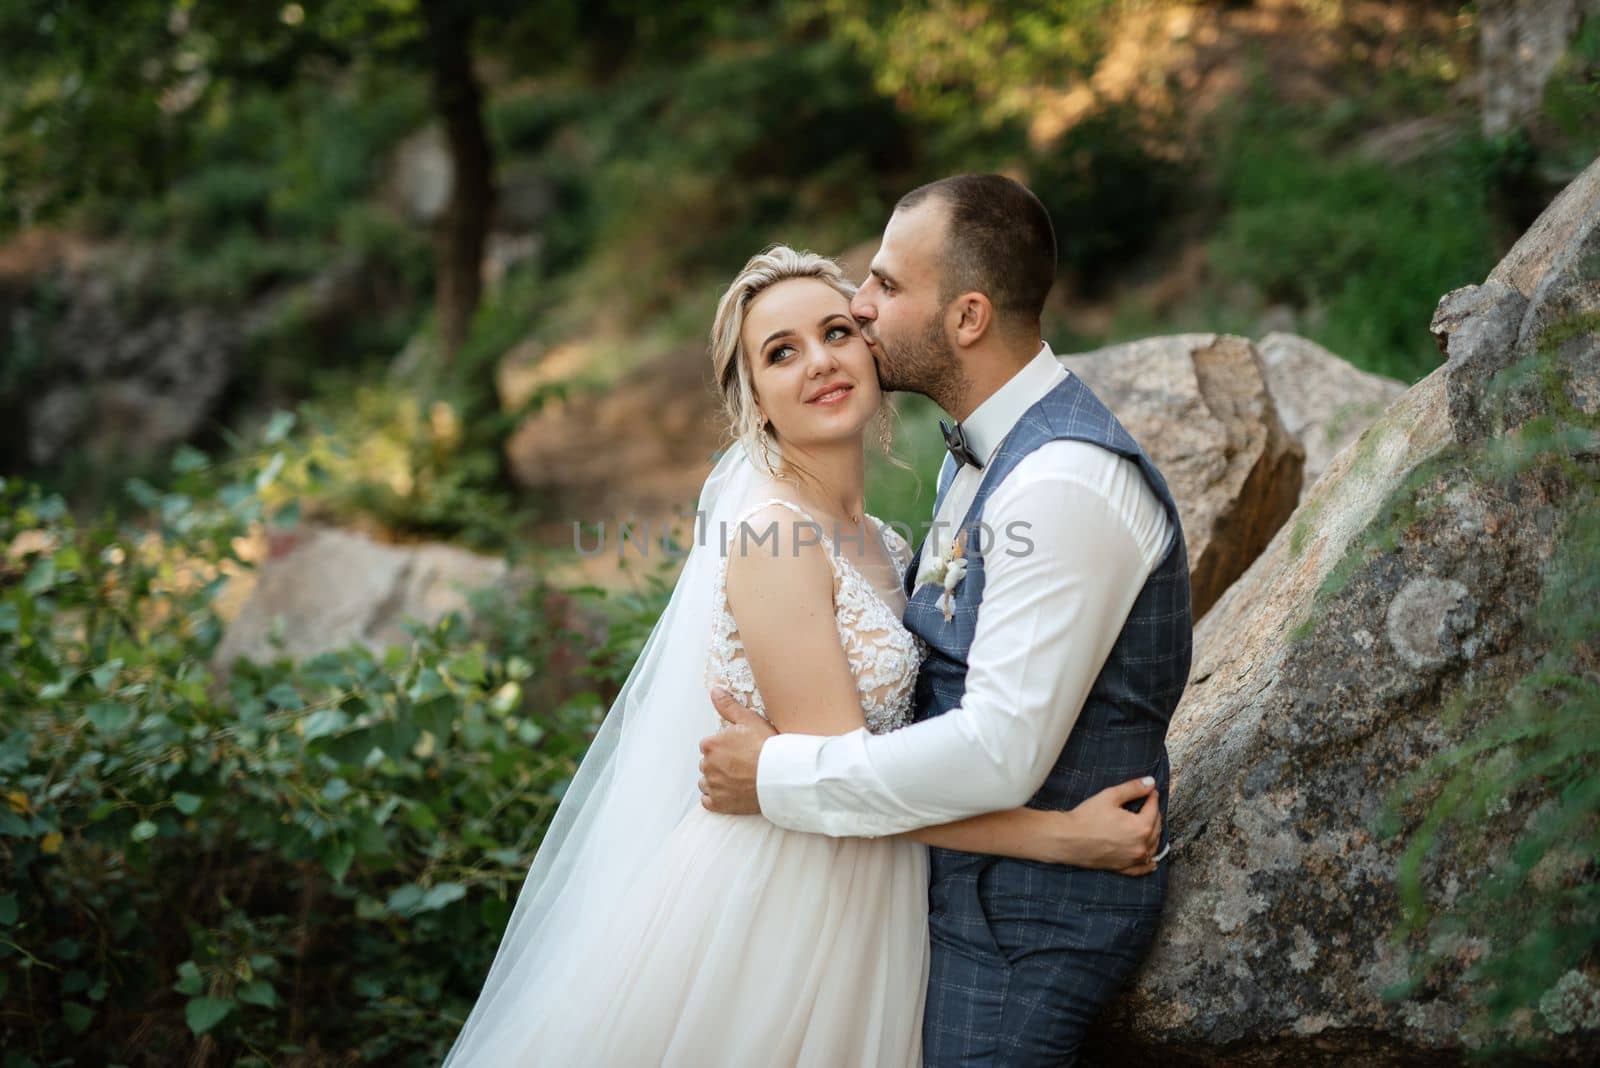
[948, 571]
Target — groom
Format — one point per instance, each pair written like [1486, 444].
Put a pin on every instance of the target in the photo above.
[1054, 665]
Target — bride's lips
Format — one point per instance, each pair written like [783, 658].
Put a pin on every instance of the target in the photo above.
[834, 396]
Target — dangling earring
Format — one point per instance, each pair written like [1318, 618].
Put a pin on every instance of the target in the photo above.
[766, 457]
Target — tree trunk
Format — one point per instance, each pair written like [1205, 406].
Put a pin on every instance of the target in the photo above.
[464, 230]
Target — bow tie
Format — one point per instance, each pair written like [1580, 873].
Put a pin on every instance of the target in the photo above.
[956, 442]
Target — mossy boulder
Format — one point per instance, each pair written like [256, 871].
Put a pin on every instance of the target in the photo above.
[1383, 813]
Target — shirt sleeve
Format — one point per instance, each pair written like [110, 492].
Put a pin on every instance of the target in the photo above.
[1042, 636]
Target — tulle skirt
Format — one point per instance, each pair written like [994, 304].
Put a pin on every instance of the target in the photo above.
[747, 944]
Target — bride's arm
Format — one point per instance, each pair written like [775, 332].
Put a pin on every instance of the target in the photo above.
[781, 595]
[1099, 833]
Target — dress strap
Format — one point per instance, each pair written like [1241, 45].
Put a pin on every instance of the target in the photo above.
[793, 507]
[899, 548]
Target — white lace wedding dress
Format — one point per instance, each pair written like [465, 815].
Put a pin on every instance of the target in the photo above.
[745, 944]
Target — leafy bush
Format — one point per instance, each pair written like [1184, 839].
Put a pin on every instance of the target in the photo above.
[267, 188]
[1365, 248]
[696, 168]
[1108, 194]
[307, 861]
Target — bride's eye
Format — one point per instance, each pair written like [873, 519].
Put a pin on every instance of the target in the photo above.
[837, 333]
[775, 356]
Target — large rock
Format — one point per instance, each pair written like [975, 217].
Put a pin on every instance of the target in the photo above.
[660, 422]
[1324, 401]
[1416, 577]
[320, 589]
[1200, 406]
[109, 377]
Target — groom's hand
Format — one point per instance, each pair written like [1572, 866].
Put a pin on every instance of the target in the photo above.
[728, 758]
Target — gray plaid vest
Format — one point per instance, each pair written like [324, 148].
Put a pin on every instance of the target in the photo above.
[1120, 733]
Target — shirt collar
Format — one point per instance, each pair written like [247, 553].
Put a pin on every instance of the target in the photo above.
[992, 420]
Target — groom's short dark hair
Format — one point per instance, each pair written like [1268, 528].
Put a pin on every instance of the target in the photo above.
[1000, 241]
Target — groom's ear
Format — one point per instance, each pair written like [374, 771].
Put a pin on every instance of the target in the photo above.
[973, 318]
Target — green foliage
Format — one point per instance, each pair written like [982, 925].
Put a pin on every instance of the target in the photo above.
[1572, 98]
[1108, 192]
[969, 72]
[308, 860]
[274, 180]
[693, 169]
[1364, 248]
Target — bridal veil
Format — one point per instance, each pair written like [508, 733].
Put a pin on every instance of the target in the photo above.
[636, 782]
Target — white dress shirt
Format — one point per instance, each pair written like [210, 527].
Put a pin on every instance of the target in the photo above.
[1048, 619]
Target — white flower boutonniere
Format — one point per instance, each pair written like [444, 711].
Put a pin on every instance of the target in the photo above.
[947, 571]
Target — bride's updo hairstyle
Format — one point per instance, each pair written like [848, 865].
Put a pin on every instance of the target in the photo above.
[777, 264]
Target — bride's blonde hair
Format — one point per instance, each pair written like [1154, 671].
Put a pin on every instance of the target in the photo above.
[779, 263]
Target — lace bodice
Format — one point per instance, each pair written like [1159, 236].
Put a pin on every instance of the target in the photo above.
[884, 656]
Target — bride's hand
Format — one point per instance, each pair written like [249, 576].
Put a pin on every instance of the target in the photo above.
[1100, 833]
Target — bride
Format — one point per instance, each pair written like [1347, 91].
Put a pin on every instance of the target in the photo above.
[651, 931]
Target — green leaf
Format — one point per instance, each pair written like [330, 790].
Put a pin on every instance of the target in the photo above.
[8, 909]
[285, 696]
[336, 789]
[368, 986]
[337, 857]
[101, 810]
[204, 1013]
[350, 748]
[78, 1017]
[494, 912]
[109, 716]
[10, 619]
[436, 717]
[189, 459]
[421, 817]
[278, 427]
[14, 751]
[40, 578]
[105, 674]
[59, 687]
[269, 474]
[440, 896]
[258, 992]
[429, 685]
[467, 666]
[405, 900]
[323, 722]
[143, 831]
[396, 738]
[188, 804]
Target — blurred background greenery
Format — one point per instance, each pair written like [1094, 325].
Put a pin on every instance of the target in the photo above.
[443, 271]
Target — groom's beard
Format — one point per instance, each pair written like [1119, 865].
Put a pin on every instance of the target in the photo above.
[925, 364]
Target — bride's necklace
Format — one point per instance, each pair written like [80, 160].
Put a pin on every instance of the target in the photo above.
[809, 498]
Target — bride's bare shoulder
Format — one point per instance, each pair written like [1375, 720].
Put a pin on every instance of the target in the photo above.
[776, 550]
